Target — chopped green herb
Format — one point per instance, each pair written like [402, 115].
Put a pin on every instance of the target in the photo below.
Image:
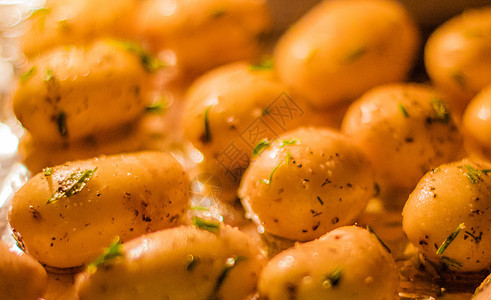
[458, 77]
[287, 142]
[156, 107]
[149, 62]
[473, 174]
[206, 136]
[199, 208]
[61, 122]
[441, 110]
[72, 185]
[265, 64]
[476, 239]
[486, 171]
[63, 25]
[211, 226]
[288, 155]
[333, 279]
[25, 76]
[370, 229]
[403, 110]
[265, 112]
[260, 147]
[192, 262]
[320, 200]
[230, 263]
[355, 54]
[451, 262]
[108, 256]
[49, 75]
[48, 171]
[449, 239]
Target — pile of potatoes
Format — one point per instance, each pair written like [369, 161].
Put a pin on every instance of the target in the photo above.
[292, 155]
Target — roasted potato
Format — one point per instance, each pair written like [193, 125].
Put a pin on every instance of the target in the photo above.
[405, 130]
[446, 216]
[340, 49]
[22, 277]
[347, 263]
[306, 182]
[476, 125]
[65, 215]
[72, 93]
[179, 263]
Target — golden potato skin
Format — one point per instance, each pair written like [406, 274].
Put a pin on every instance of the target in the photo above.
[476, 125]
[229, 110]
[179, 263]
[483, 291]
[203, 34]
[127, 195]
[68, 22]
[367, 270]
[446, 197]
[342, 48]
[457, 54]
[405, 130]
[75, 92]
[307, 182]
[22, 277]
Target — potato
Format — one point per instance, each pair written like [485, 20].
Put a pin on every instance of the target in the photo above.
[342, 48]
[457, 54]
[447, 216]
[74, 92]
[476, 125]
[179, 263]
[405, 130]
[22, 277]
[203, 34]
[483, 292]
[64, 22]
[306, 182]
[65, 215]
[347, 263]
[229, 110]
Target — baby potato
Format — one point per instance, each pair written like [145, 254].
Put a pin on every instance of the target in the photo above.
[476, 124]
[306, 182]
[229, 110]
[457, 54]
[347, 263]
[179, 263]
[74, 92]
[447, 216]
[342, 48]
[405, 130]
[65, 215]
[63, 22]
[22, 277]
[203, 34]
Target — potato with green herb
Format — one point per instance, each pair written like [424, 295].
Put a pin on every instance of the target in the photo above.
[22, 277]
[457, 55]
[447, 216]
[306, 182]
[65, 215]
[347, 263]
[342, 48]
[63, 22]
[214, 262]
[203, 34]
[405, 130]
[476, 124]
[72, 93]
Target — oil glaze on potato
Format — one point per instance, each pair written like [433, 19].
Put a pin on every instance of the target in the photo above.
[63, 22]
[348, 263]
[180, 263]
[73, 92]
[21, 276]
[203, 34]
[342, 48]
[453, 198]
[405, 130]
[476, 124]
[457, 54]
[126, 195]
[307, 182]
